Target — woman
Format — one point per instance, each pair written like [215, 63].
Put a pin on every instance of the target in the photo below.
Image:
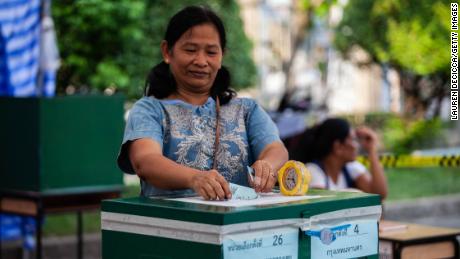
[330, 151]
[189, 134]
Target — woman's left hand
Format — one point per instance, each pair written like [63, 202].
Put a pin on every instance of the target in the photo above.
[367, 138]
[265, 176]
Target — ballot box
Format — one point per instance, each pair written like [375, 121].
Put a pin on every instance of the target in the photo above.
[322, 224]
[65, 144]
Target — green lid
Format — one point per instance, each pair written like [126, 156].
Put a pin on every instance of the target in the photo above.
[219, 215]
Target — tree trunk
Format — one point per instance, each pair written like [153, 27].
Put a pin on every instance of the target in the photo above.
[422, 91]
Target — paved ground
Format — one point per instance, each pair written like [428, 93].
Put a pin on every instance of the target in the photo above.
[441, 211]
[59, 248]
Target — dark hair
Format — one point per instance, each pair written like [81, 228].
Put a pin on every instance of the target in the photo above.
[317, 142]
[160, 82]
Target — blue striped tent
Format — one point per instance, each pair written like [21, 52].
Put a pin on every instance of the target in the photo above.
[22, 72]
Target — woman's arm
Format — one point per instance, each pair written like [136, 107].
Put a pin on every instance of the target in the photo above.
[266, 147]
[270, 160]
[378, 183]
[150, 165]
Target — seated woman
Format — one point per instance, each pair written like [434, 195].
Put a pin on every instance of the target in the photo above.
[329, 151]
[190, 134]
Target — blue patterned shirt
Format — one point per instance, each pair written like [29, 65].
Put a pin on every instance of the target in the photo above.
[186, 134]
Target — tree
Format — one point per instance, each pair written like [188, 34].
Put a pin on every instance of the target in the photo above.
[410, 36]
[108, 43]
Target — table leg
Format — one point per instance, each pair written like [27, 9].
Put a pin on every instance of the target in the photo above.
[456, 242]
[1, 250]
[79, 235]
[38, 229]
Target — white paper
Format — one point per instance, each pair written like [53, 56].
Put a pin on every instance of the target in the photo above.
[264, 199]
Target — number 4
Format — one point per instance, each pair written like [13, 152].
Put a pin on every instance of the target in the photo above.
[356, 230]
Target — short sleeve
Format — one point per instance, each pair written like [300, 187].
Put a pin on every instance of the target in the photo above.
[356, 169]
[318, 178]
[261, 129]
[144, 121]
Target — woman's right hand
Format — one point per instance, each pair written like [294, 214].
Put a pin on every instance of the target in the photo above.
[211, 185]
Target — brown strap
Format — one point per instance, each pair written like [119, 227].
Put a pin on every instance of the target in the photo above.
[216, 142]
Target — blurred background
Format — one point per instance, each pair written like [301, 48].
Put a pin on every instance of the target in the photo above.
[380, 63]
[383, 63]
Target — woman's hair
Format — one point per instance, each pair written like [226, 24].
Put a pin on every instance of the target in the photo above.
[160, 82]
[317, 142]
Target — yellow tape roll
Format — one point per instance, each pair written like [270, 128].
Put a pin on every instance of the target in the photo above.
[294, 178]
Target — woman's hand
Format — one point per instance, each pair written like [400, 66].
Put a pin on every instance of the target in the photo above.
[367, 139]
[211, 185]
[377, 183]
[265, 176]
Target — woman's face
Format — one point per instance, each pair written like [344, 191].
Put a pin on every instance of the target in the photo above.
[348, 149]
[195, 58]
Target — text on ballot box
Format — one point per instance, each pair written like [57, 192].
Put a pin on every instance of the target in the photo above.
[348, 240]
[267, 244]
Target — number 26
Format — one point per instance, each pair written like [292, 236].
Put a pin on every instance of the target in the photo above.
[277, 240]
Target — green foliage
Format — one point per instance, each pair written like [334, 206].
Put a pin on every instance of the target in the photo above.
[415, 42]
[409, 36]
[357, 28]
[402, 137]
[320, 8]
[96, 39]
[406, 34]
[114, 43]
[374, 120]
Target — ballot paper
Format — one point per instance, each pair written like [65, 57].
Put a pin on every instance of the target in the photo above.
[240, 192]
[263, 199]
